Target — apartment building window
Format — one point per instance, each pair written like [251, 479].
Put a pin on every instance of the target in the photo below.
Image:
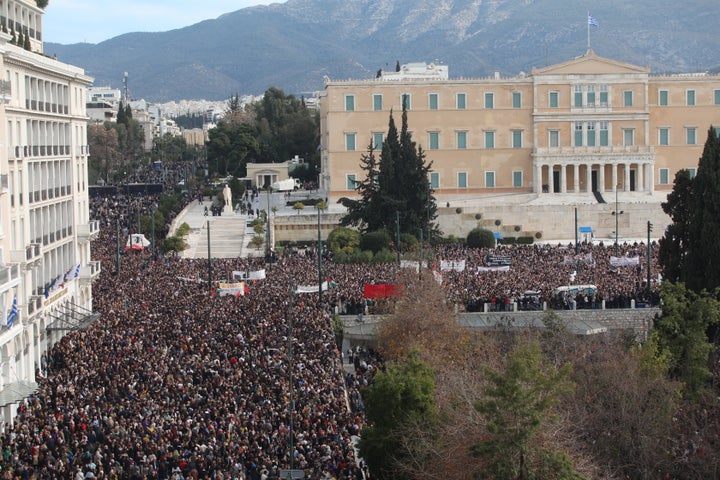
[553, 99]
[578, 102]
[461, 140]
[406, 101]
[460, 101]
[349, 103]
[604, 95]
[591, 134]
[489, 100]
[350, 182]
[377, 102]
[490, 139]
[604, 133]
[664, 136]
[554, 138]
[578, 137]
[434, 180]
[664, 176]
[691, 135]
[433, 140]
[349, 142]
[690, 98]
[377, 140]
[433, 101]
[663, 98]
[591, 95]
[716, 96]
[517, 99]
[462, 179]
[628, 98]
[628, 137]
[517, 177]
[517, 139]
[489, 179]
[692, 172]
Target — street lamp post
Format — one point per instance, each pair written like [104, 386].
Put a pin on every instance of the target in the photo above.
[616, 213]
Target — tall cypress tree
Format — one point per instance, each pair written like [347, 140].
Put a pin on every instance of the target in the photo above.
[702, 266]
[397, 186]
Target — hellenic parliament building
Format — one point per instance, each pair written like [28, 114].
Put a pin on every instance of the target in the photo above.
[582, 132]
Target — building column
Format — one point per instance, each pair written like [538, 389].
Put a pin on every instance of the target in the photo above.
[537, 184]
[641, 177]
[576, 178]
[614, 177]
[601, 178]
[551, 179]
[588, 177]
[626, 180]
[563, 178]
[651, 177]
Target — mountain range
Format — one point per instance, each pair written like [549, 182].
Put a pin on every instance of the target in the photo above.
[294, 45]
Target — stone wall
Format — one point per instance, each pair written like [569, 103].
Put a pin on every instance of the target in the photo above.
[553, 222]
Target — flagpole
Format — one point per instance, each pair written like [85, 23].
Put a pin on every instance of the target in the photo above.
[587, 20]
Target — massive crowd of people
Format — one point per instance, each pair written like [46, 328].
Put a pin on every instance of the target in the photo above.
[175, 381]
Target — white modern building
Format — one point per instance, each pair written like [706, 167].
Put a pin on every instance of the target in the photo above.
[46, 271]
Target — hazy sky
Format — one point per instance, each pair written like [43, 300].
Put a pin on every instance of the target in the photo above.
[92, 21]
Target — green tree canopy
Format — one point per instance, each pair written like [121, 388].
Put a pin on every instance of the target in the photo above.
[402, 394]
[681, 332]
[518, 404]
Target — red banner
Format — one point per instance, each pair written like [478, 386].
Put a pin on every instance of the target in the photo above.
[382, 290]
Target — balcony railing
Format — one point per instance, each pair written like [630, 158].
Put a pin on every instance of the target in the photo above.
[34, 305]
[31, 254]
[88, 231]
[90, 272]
[609, 150]
[9, 274]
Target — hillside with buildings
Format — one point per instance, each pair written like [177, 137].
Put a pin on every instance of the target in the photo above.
[294, 45]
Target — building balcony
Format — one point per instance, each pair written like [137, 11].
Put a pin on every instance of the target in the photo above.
[90, 272]
[9, 276]
[88, 231]
[599, 155]
[34, 305]
[30, 255]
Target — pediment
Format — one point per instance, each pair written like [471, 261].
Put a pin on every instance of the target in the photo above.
[591, 64]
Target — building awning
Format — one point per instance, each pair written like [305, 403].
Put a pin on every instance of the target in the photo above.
[585, 229]
[16, 392]
[73, 317]
[497, 235]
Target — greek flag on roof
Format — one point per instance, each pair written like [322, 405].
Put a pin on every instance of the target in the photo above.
[592, 21]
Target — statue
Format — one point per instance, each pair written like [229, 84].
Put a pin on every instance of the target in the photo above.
[227, 194]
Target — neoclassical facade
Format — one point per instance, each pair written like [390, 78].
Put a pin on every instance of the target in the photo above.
[590, 124]
[46, 271]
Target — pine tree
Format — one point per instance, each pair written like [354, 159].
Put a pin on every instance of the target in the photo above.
[360, 211]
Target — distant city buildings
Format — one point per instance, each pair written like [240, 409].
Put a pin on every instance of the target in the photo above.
[46, 270]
